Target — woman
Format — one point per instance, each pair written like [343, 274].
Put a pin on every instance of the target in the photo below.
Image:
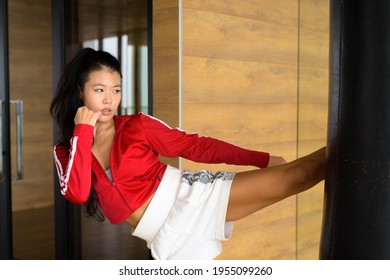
[111, 163]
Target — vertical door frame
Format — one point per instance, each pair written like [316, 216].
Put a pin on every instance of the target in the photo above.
[5, 174]
[67, 216]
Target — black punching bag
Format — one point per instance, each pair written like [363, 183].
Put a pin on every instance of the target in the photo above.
[356, 221]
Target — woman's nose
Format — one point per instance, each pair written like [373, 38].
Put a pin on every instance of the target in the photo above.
[107, 99]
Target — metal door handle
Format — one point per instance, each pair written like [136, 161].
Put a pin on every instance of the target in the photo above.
[19, 138]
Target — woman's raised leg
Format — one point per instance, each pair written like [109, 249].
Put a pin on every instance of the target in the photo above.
[256, 189]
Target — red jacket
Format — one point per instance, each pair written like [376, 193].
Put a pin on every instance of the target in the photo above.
[135, 166]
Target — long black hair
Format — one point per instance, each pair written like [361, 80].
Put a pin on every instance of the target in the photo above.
[68, 99]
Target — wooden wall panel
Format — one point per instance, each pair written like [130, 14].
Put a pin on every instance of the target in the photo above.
[239, 68]
[238, 38]
[240, 65]
[254, 81]
[313, 115]
[166, 64]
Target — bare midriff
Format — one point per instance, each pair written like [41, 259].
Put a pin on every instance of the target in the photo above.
[134, 218]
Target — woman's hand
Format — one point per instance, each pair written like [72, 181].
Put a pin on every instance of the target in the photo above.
[274, 161]
[86, 116]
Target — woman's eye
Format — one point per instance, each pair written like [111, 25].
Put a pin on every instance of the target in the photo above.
[99, 90]
[117, 91]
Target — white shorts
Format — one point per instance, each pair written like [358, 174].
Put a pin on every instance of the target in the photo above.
[186, 218]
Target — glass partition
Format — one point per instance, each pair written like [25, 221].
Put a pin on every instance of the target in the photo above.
[120, 27]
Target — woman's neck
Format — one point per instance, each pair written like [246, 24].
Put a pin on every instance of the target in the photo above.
[103, 128]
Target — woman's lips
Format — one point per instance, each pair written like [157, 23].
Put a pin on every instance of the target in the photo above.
[106, 111]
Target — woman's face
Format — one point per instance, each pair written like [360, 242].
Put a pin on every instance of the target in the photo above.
[102, 92]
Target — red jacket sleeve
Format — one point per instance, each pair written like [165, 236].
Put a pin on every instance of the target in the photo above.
[171, 142]
[74, 165]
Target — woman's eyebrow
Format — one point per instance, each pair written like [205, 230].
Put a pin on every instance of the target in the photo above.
[102, 85]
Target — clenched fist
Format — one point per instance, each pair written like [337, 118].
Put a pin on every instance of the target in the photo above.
[86, 116]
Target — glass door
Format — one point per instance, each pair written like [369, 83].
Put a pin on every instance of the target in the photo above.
[27, 220]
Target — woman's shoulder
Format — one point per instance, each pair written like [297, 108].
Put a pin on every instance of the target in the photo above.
[125, 122]
[121, 120]
[133, 118]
